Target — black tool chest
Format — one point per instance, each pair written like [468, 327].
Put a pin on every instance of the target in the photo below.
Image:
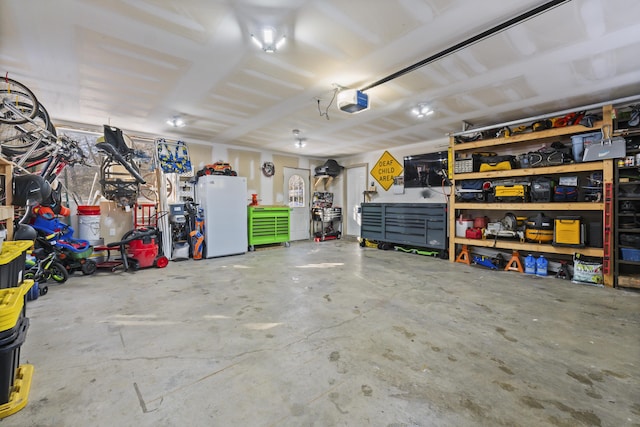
[419, 224]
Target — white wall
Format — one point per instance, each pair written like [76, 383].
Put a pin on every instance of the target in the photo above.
[411, 195]
[201, 153]
[268, 184]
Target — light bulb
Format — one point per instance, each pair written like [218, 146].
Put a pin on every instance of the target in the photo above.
[268, 35]
[176, 122]
[421, 111]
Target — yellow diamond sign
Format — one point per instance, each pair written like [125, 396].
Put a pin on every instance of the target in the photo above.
[385, 169]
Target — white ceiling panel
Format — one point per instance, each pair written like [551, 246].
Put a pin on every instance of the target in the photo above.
[136, 63]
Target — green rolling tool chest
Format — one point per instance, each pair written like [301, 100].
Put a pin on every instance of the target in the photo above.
[268, 225]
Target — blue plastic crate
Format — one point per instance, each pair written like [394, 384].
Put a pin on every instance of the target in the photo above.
[630, 254]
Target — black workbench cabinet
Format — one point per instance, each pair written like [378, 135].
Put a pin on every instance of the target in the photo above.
[419, 224]
[627, 224]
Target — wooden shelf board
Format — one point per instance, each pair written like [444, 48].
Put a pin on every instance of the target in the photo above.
[626, 132]
[569, 168]
[529, 247]
[6, 212]
[632, 281]
[560, 206]
[531, 136]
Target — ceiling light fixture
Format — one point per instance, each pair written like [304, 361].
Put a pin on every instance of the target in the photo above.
[268, 42]
[176, 122]
[300, 141]
[422, 110]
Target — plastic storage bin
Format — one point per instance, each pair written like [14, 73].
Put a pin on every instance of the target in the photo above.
[10, 335]
[568, 231]
[630, 254]
[12, 305]
[10, 358]
[580, 142]
[12, 259]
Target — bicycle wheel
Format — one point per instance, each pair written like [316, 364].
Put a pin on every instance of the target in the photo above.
[16, 96]
[150, 190]
[29, 275]
[58, 273]
[17, 138]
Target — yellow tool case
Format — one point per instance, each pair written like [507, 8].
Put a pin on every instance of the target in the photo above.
[497, 163]
[568, 231]
[510, 193]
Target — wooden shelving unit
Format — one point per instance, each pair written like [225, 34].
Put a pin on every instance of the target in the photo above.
[523, 143]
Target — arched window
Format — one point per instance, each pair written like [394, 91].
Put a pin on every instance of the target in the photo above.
[296, 192]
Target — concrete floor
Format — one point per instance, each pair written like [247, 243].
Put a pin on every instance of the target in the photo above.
[331, 334]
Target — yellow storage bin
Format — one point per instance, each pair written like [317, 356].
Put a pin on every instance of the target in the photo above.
[12, 305]
[19, 393]
[12, 259]
[568, 231]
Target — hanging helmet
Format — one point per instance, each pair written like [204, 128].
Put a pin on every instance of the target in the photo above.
[30, 189]
[25, 232]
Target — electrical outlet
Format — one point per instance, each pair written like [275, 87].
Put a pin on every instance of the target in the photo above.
[112, 232]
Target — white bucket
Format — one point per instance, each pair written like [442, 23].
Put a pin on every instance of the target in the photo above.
[96, 255]
[461, 226]
[89, 222]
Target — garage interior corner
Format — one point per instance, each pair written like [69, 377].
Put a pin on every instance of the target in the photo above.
[333, 334]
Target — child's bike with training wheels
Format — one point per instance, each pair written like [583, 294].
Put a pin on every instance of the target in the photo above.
[45, 267]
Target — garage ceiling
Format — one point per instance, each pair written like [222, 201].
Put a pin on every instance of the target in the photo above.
[136, 63]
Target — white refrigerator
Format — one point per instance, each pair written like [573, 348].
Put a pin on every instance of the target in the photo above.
[223, 200]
